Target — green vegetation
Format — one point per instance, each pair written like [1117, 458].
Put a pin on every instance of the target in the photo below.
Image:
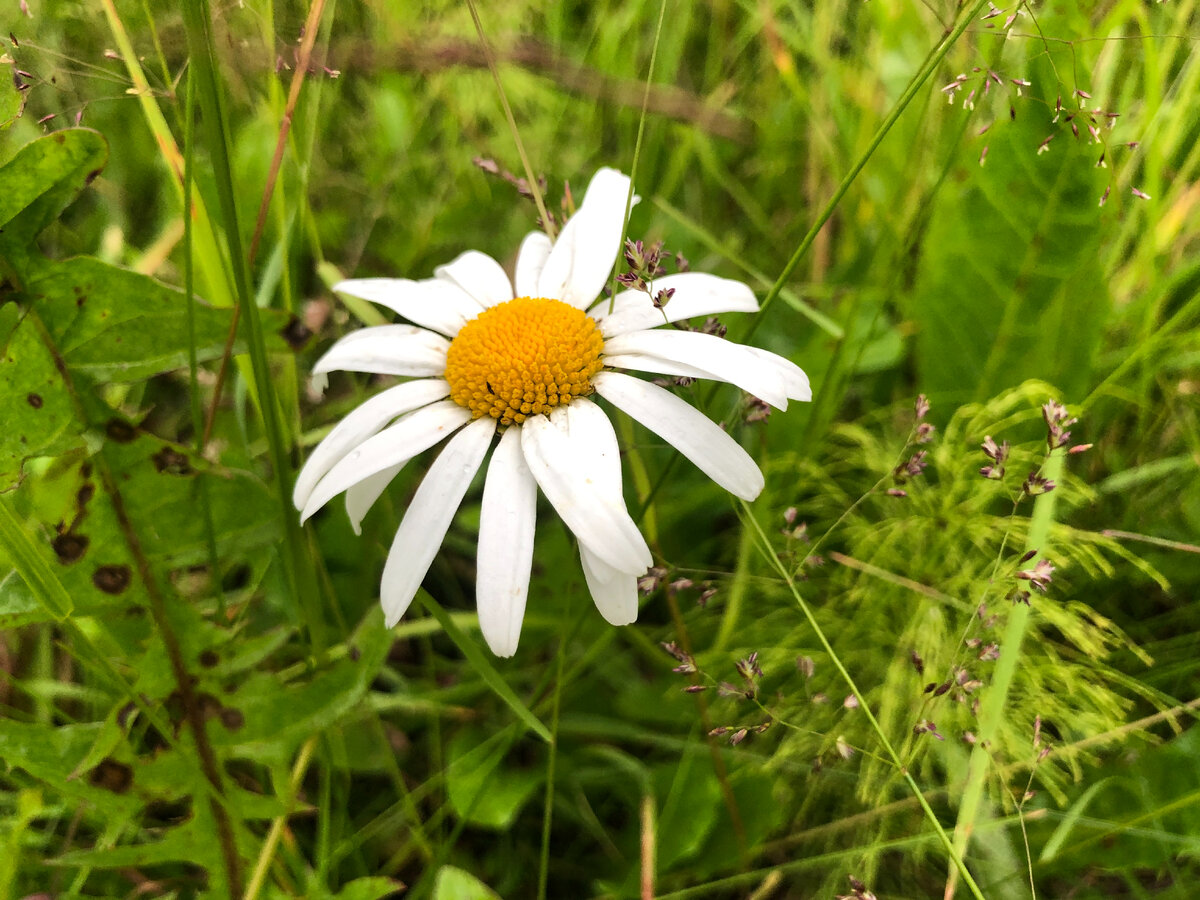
[894, 674]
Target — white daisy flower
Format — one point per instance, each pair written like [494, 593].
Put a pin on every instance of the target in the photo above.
[484, 357]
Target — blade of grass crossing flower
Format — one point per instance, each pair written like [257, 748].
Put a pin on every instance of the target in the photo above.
[301, 583]
[483, 666]
[764, 546]
[996, 698]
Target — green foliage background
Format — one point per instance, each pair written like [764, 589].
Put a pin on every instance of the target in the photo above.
[200, 699]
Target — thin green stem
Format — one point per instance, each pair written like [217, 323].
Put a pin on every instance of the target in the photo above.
[530, 178]
[551, 763]
[772, 558]
[991, 713]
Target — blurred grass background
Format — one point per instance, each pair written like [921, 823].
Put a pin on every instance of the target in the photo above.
[961, 264]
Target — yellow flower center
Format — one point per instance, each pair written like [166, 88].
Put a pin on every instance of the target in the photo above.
[523, 358]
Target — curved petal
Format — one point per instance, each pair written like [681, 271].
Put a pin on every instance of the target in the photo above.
[428, 517]
[588, 244]
[387, 350]
[361, 497]
[713, 451]
[439, 305]
[505, 553]
[394, 446]
[795, 381]
[641, 362]
[614, 593]
[553, 456]
[721, 359]
[696, 294]
[360, 424]
[531, 259]
[479, 275]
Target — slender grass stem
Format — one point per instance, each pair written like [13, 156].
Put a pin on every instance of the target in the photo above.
[772, 558]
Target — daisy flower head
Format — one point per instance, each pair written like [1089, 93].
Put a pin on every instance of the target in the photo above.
[487, 361]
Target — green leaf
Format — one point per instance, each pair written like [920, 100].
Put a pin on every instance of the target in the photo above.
[1008, 287]
[43, 178]
[373, 887]
[114, 324]
[453, 883]
[74, 529]
[38, 416]
[277, 717]
[480, 789]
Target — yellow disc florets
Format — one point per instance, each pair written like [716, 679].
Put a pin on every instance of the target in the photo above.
[523, 358]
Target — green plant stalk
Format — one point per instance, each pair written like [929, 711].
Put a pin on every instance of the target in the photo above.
[931, 63]
[764, 544]
[992, 711]
[301, 582]
[189, 289]
[551, 765]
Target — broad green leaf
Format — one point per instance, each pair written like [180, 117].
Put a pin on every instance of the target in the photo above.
[38, 416]
[115, 324]
[1008, 287]
[453, 883]
[77, 536]
[276, 717]
[43, 178]
[482, 790]
[373, 887]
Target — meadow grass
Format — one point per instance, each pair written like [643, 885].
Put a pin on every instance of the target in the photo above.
[910, 668]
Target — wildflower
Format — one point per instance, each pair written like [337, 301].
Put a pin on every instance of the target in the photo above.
[484, 360]
[1039, 576]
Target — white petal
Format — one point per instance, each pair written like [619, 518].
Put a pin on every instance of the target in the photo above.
[614, 593]
[428, 517]
[644, 362]
[596, 518]
[394, 446]
[479, 275]
[361, 497]
[587, 246]
[387, 350]
[531, 259]
[593, 433]
[505, 554]
[360, 424]
[795, 382]
[696, 294]
[713, 451]
[430, 303]
[721, 359]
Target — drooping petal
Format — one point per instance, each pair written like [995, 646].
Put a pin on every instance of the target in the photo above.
[531, 259]
[713, 451]
[361, 497]
[723, 360]
[430, 303]
[795, 381]
[360, 424]
[596, 519]
[587, 246]
[394, 446]
[428, 517]
[505, 552]
[614, 593]
[696, 294]
[387, 350]
[479, 275]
